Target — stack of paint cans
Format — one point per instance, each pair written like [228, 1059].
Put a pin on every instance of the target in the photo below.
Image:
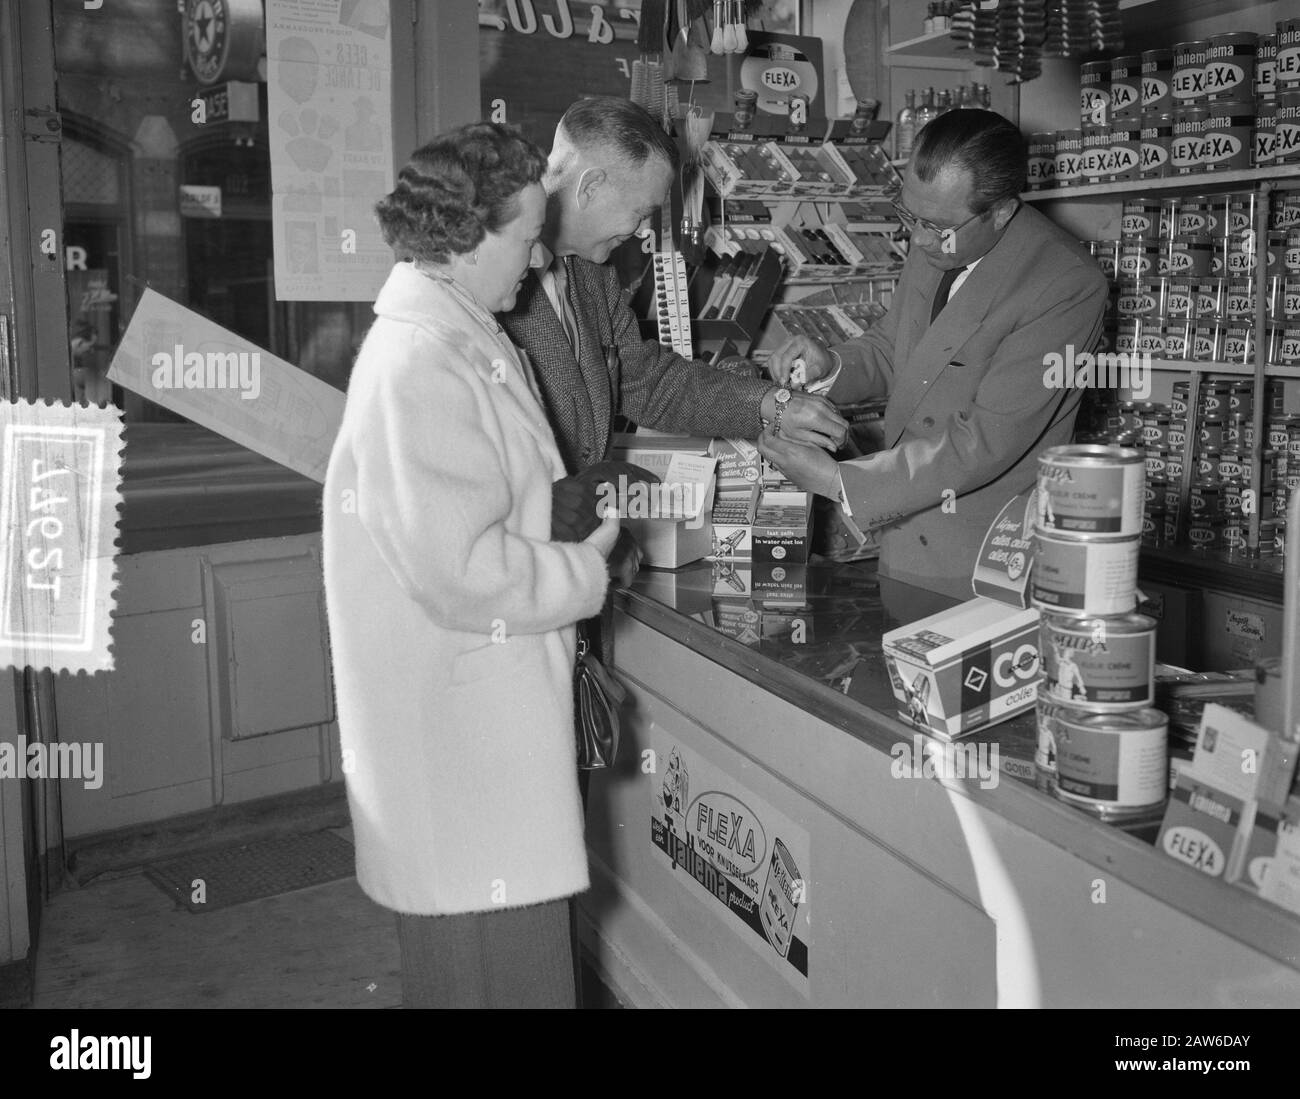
[1101, 745]
[1183, 278]
[1223, 103]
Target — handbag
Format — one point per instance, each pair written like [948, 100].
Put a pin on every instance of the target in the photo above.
[597, 696]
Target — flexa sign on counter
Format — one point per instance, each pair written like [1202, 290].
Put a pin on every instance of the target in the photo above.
[736, 853]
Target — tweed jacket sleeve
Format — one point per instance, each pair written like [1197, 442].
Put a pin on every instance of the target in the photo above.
[661, 390]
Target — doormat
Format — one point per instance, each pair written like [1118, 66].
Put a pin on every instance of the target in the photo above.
[207, 880]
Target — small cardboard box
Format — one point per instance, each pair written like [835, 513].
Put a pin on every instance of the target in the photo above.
[966, 667]
[782, 527]
[1270, 826]
[671, 520]
[1203, 826]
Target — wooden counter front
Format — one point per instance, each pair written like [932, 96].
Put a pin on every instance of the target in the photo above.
[898, 891]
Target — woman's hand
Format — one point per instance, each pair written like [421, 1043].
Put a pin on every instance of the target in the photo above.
[605, 535]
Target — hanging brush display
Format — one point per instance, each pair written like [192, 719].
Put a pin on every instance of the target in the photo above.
[729, 19]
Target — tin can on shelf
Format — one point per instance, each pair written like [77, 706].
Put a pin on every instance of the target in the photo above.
[1042, 161]
[1178, 401]
[1205, 535]
[1264, 152]
[1229, 136]
[1266, 65]
[1090, 490]
[1214, 396]
[1291, 252]
[1209, 436]
[1174, 470]
[1180, 299]
[1124, 151]
[1142, 299]
[1239, 298]
[1285, 344]
[1094, 94]
[1240, 225]
[1288, 299]
[1176, 438]
[1139, 219]
[1267, 537]
[1125, 87]
[1157, 77]
[1087, 578]
[1178, 333]
[1241, 398]
[1209, 297]
[1154, 461]
[1207, 340]
[1102, 663]
[1238, 342]
[1155, 138]
[1207, 466]
[1114, 766]
[1287, 65]
[1138, 259]
[1284, 211]
[1230, 468]
[1188, 82]
[1187, 257]
[1229, 71]
[1198, 216]
[1286, 131]
[1151, 336]
[1094, 164]
[1155, 426]
[1069, 156]
[1186, 147]
[1107, 256]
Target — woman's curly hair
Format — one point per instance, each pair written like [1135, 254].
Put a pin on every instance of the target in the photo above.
[457, 188]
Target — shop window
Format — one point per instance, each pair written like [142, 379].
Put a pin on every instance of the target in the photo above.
[130, 144]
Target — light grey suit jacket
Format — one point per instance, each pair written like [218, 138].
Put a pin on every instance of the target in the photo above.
[968, 409]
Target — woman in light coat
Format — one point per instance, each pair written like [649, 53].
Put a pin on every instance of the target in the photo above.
[451, 611]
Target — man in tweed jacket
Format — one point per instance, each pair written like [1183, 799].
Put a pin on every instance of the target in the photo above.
[609, 169]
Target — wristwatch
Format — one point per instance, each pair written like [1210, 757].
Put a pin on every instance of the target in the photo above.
[782, 398]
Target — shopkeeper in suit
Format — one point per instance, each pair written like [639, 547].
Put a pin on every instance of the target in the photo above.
[989, 288]
[609, 169]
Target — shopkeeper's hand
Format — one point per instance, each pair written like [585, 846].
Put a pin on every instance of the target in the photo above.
[624, 561]
[574, 500]
[809, 467]
[807, 419]
[817, 359]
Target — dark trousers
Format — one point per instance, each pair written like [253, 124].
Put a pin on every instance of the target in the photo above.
[515, 957]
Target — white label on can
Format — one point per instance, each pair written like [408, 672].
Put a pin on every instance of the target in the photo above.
[1090, 499]
[1098, 668]
[1125, 768]
[1086, 577]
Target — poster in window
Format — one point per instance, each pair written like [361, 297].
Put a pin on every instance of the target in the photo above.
[329, 93]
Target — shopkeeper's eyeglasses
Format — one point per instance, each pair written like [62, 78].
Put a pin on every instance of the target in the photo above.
[910, 221]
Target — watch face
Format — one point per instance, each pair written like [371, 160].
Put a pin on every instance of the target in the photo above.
[782, 396]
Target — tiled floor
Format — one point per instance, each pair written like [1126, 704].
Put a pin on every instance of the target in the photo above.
[120, 942]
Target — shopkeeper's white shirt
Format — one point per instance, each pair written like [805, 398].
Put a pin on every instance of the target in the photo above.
[824, 384]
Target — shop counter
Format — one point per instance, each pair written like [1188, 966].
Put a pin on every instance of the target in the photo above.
[773, 834]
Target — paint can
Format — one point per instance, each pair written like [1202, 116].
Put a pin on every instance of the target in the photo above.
[1090, 490]
[1154, 140]
[1264, 151]
[1069, 157]
[1188, 82]
[1287, 65]
[1084, 579]
[1094, 93]
[1112, 765]
[1157, 76]
[1286, 133]
[1266, 65]
[1191, 124]
[1124, 154]
[1101, 663]
[1229, 71]
[1228, 140]
[1139, 219]
[1042, 161]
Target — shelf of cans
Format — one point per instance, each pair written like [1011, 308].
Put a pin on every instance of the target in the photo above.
[1183, 279]
[1223, 452]
[1101, 744]
[814, 253]
[1222, 104]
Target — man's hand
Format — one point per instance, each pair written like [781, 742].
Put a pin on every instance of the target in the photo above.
[808, 419]
[624, 560]
[809, 467]
[574, 499]
[818, 361]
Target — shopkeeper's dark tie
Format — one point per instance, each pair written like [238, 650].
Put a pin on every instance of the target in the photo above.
[941, 295]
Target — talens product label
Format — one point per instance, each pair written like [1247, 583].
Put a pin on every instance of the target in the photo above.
[1109, 763]
[1085, 578]
[1090, 490]
[1102, 663]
